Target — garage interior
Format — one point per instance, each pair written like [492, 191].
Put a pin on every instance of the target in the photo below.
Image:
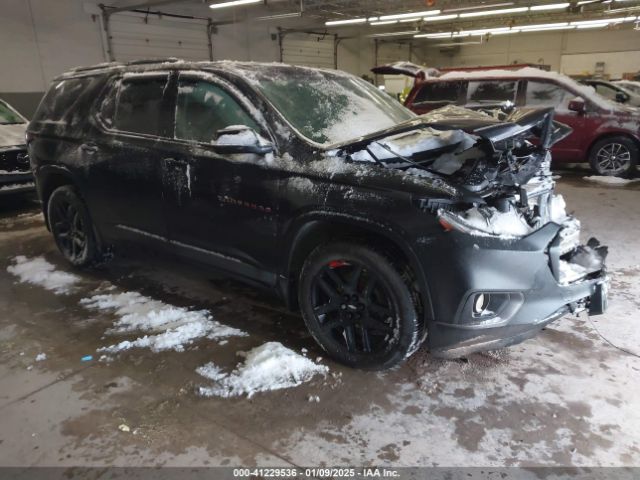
[565, 398]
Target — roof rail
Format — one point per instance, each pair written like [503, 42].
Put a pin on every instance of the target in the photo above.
[144, 61]
[97, 67]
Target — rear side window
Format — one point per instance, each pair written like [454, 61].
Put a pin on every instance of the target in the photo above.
[545, 94]
[204, 108]
[139, 107]
[491, 92]
[66, 101]
[438, 92]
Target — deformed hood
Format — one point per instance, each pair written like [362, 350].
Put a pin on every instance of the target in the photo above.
[12, 135]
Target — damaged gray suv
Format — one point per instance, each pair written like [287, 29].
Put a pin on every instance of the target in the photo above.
[385, 229]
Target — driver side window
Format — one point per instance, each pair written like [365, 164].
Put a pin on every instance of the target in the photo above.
[204, 108]
[547, 94]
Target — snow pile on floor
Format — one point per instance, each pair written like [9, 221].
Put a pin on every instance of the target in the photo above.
[175, 326]
[606, 180]
[38, 271]
[271, 366]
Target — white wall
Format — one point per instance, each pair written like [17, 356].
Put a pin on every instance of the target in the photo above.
[42, 38]
[547, 48]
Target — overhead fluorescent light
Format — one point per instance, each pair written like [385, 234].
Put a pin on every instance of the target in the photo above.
[233, 3]
[546, 29]
[349, 21]
[502, 11]
[400, 16]
[543, 25]
[478, 7]
[605, 20]
[592, 25]
[388, 22]
[394, 34]
[414, 19]
[440, 18]
[551, 6]
[280, 16]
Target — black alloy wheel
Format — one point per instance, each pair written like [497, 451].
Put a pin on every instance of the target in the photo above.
[71, 226]
[358, 307]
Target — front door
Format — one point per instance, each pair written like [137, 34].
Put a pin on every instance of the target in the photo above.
[549, 94]
[221, 207]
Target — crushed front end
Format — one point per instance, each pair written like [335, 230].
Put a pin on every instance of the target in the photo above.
[512, 262]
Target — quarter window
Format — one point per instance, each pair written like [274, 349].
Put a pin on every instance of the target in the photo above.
[204, 108]
[545, 94]
[139, 107]
[491, 92]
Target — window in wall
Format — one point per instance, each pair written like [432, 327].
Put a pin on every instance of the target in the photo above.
[204, 108]
[493, 92]
[139, 108]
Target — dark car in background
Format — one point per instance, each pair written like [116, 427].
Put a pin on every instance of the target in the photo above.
[382, 227]
[15, 172]
[605, 134]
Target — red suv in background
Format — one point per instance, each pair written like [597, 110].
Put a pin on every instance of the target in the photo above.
[604, 133]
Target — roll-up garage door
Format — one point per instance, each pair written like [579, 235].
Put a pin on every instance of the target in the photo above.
[136, 35]
[393, 52]
[308, 49]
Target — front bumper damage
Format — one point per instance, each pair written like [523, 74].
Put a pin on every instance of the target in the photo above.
[525, 284]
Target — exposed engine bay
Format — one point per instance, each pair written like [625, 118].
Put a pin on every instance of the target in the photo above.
[501, 169]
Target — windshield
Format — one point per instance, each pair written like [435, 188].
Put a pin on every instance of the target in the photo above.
[328, 107]
[8, 115]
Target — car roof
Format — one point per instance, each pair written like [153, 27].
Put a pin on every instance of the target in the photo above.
[144, 65]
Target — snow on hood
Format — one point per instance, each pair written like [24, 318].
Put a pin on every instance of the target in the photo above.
[409, 143]
[12, 135]
[583, 90]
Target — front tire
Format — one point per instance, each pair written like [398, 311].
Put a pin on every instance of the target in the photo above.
[614, 156]
[359, 307]
[71, 226]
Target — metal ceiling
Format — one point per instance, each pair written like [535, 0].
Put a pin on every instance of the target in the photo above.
[313, 13]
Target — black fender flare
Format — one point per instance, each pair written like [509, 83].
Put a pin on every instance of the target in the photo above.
[310, 222]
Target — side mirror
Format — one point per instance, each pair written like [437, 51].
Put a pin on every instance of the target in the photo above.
[621, 97]
[577, 105]
[241, 139]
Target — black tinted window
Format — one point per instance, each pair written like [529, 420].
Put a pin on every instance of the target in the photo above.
[491, 92]
[66, 101]
[204, 108]
[139, 107]
[438, 92]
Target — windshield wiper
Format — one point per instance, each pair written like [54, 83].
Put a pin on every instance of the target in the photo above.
[397, 155]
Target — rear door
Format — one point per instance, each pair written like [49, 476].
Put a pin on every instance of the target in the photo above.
[221, 207]
[126, 155]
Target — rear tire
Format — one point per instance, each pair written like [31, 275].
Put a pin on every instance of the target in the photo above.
[358, 306]
[614, 156]
[71, 226]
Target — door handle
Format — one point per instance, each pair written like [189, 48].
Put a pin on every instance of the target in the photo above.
[89, 148]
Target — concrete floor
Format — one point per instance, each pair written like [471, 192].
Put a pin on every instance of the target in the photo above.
[564, 398]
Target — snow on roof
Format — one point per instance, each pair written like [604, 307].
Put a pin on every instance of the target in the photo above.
[530, 72]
